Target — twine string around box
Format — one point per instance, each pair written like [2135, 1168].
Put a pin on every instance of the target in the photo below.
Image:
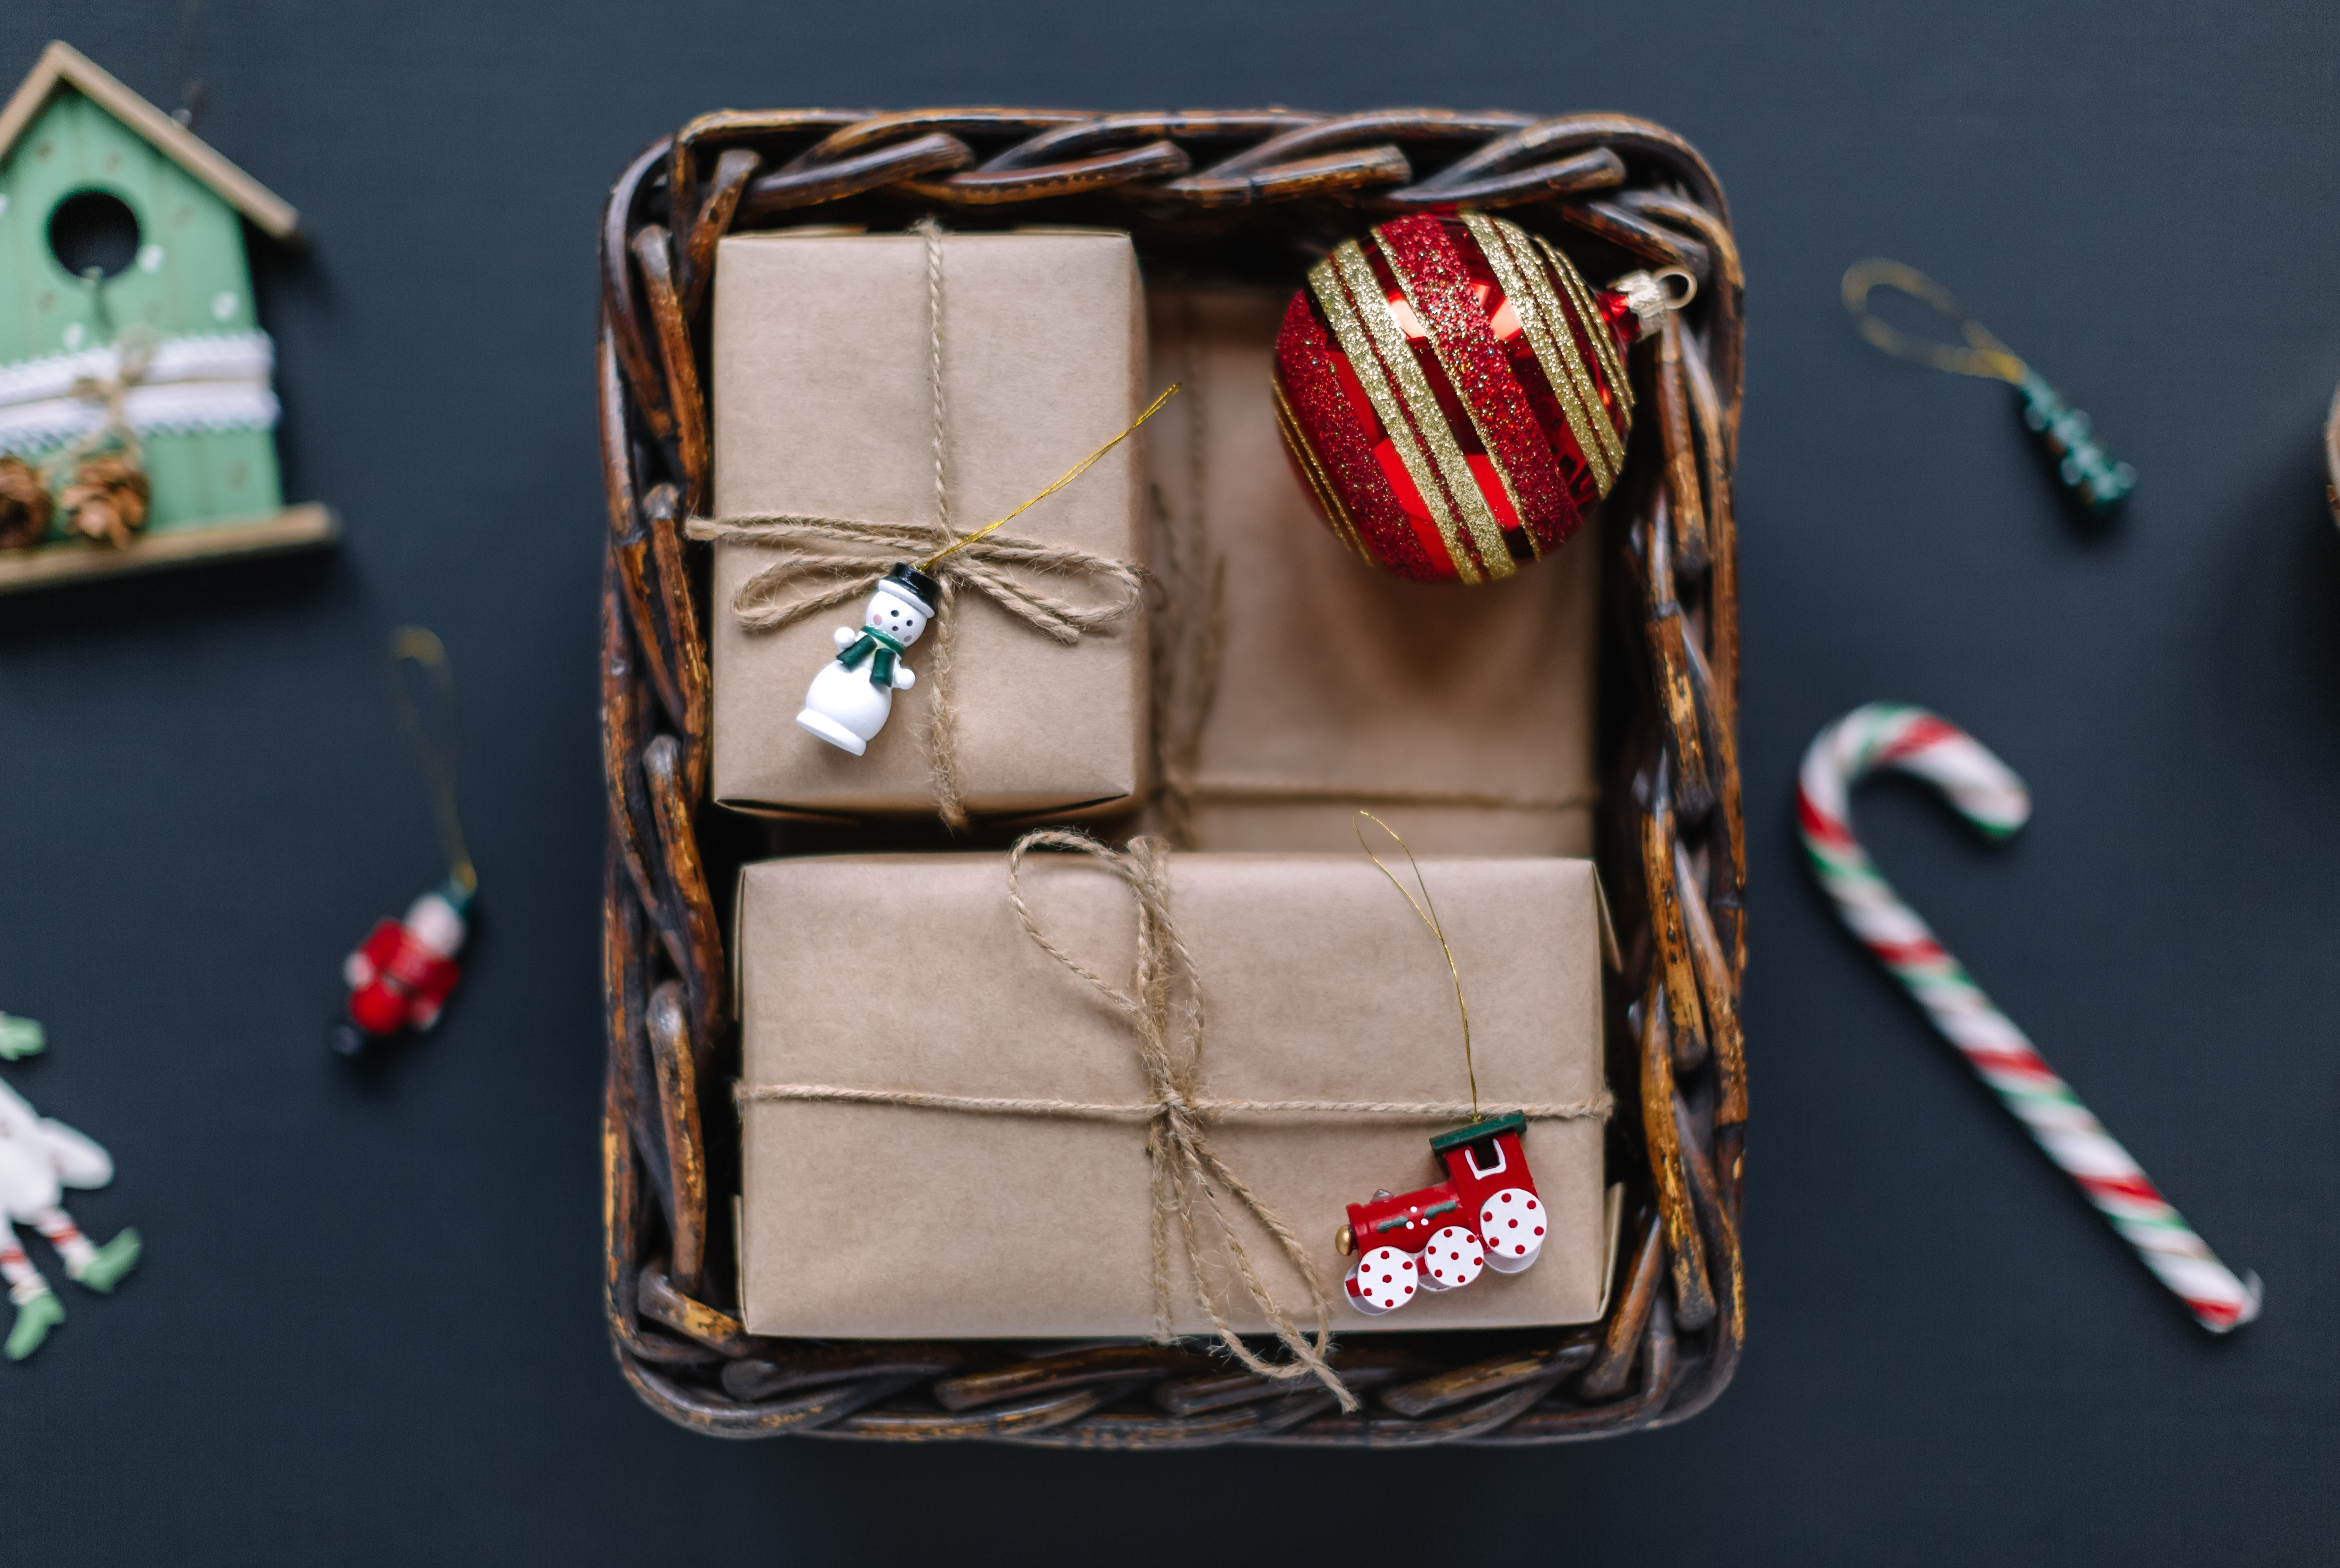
[1163, 1010]
[812, 575]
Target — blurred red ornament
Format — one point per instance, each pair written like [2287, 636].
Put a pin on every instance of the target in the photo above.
[1455, 396]
[400, 977]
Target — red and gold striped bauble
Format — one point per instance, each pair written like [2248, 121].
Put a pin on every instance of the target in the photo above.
[1455, 396]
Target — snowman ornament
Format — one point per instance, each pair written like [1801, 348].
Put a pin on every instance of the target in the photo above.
[850, 699]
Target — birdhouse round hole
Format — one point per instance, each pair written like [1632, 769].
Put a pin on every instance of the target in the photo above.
[93, 231]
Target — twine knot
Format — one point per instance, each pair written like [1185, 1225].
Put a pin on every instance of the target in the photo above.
[137, 344]
[1163, 1003]
[135, 347]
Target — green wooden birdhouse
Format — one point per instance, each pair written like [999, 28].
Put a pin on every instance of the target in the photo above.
[128, 342]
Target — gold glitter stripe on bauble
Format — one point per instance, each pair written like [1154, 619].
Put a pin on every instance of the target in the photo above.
[1545, 322]
[1596, 327]
[1311, 468]
[1602, 343]
[1325, 281]
[1430, 420]
[1604, 346]
[1455, 380]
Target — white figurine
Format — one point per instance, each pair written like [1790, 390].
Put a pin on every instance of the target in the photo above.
[39, 1157]
[852, 696]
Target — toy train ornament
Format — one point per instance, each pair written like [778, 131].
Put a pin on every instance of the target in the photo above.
[1484, 1215]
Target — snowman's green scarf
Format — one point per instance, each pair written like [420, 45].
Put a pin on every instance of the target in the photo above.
[881, 650]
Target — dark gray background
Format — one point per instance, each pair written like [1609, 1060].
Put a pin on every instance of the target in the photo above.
[367, 1328]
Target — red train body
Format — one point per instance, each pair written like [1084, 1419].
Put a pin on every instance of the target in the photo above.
[1486, 1215]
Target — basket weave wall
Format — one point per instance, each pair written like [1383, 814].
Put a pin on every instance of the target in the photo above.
[1256, 196]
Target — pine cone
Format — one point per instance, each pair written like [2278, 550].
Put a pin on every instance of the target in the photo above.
[107, 500]
[24, 505]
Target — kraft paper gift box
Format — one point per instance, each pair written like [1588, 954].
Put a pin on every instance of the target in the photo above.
[897, 973]
[823, 406]
[1470, 710]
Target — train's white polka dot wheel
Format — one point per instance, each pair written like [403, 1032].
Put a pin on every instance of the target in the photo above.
[1382, 1281]
[1453, 1257]
[1512, 1222]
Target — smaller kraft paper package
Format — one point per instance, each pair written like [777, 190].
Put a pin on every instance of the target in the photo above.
[826, 353]
[1337, 686]
[950, 1133]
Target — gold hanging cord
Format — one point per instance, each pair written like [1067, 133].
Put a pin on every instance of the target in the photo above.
[436, 753]
[1982, 355]
[1069, 475]
[1429, 913]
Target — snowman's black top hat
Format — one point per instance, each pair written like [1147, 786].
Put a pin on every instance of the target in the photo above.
[909, 579]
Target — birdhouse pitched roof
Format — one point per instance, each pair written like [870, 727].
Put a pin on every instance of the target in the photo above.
[63, 64]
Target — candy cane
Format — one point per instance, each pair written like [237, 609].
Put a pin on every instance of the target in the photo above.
[1987, 794]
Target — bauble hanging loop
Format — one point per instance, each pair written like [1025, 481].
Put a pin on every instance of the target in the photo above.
[1455, 396]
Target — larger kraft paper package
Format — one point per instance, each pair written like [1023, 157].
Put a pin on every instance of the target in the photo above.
[910, 973]
[824, 406]
[1469, 709]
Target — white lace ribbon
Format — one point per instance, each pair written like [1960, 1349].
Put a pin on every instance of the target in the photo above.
[214, 383]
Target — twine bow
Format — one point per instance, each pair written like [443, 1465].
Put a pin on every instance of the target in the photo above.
[137, 344]
[807, 579]
[1179, 1151]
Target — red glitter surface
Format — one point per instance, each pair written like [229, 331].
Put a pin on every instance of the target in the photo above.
[1572, 473]
[1343, 433]
[1488, 393]
[1489, 410]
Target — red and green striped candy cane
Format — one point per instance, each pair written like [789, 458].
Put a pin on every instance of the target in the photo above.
[1986, 792]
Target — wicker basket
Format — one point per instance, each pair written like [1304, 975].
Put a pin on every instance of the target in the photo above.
[1254, 195]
